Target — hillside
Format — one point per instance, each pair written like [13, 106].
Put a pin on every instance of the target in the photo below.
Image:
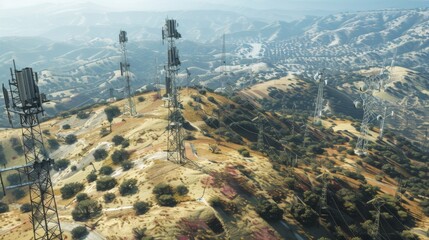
[237, 187]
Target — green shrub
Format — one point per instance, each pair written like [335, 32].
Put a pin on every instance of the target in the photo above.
[86, 209]
[117, 140]
[61, 164]
[82, 115]
[26, 207]
[99, 154]
[182, 189]
[125, 143]
[81, 197]
[127, 165]
[128, 187]
[119, 156]
[66, 126]
[73, 168]
[70, 139]
[109, 197]
[53, 143]
[166, 200]
[269, 211]
[70, 190]
[106, 170]
[79, 232]
[141, 207]
[105, 183]
[141, 99]
[162, 189]
[4, 207]
[91, 177]
[15, 178]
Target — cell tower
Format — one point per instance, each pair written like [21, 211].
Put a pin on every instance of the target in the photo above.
[125, 72]
[319, 100]
[175, 147]
[369, 104]
[26, 101]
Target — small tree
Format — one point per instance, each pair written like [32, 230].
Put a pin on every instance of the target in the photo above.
[140, 234]
[106, 170]
[14, 178]
[70, 139]
[162, 188]
[117, 140]
[25, 208]
[141, 99]
[53, 144]
[70, 190]
[119, 156]
[100, 154]
[105, 183]
[79, 233]
[66, 126]
[111, 112]
[127, 165]
[167, 200]
[61, 164]
[82, 196]
[91, 177]
[182, 189]
[3, 207]
[128, 187]
[86, 209]
[109, 197]
[82, 115]
[269, 210]
[18, 193]
[141, 207]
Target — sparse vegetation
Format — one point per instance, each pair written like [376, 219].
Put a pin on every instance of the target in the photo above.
[109, 197]
[53, 143]
[82, 196]
[91, 177]
[70, 190]
[117, 140]
[86, 209]
[25, 208]
[269, 210]
[66, 126]
[61, 164]
[119, 156]
[127, 165]
[82, 115]
[141, 207]
[105, 183]
[106, 170]
[70, 139]
[100, 154]
[128, 187]
[79, 233]
[4, 207]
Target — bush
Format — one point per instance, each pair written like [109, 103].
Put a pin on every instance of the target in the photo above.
[66, 126]
[53, 144]
[128, 187]
[82, 196]
[304, 214]
[212, 99]
[127, 165]
[79, 232]
[408, 235]
[91, 177]
[162, 188]
[105, 183]
[117, 140]
[167, 200]
[86, 209]
[140, 234]
[141, 207]
[100, 154]
[82, 115]
[125, 143]
[70, 190]
[26, 207]
[61, 164]
[182, 190]
[109, 197]
[119, 156]
[104, 132]
[4, 207]
[18, 193]
[70, 139]
[141, 99]
[46, 132]
[73, 168]
[269, 211]
[106, 170]
[14, 178]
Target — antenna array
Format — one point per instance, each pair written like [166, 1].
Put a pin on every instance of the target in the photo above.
[175, 147]
[125, 72]
[26, 101]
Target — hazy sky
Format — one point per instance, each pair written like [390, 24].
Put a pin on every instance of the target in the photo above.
[162, 5]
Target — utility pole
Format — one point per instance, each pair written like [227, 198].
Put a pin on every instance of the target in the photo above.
[125, 72]
[175, 147]
[26, 102]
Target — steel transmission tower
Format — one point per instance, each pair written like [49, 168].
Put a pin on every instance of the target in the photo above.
[26, 102]
[369, 104]
[319, 78]
[382, 119]
[125, 72]
[175, 147]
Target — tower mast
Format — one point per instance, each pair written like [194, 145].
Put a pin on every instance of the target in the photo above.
[125, 68]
